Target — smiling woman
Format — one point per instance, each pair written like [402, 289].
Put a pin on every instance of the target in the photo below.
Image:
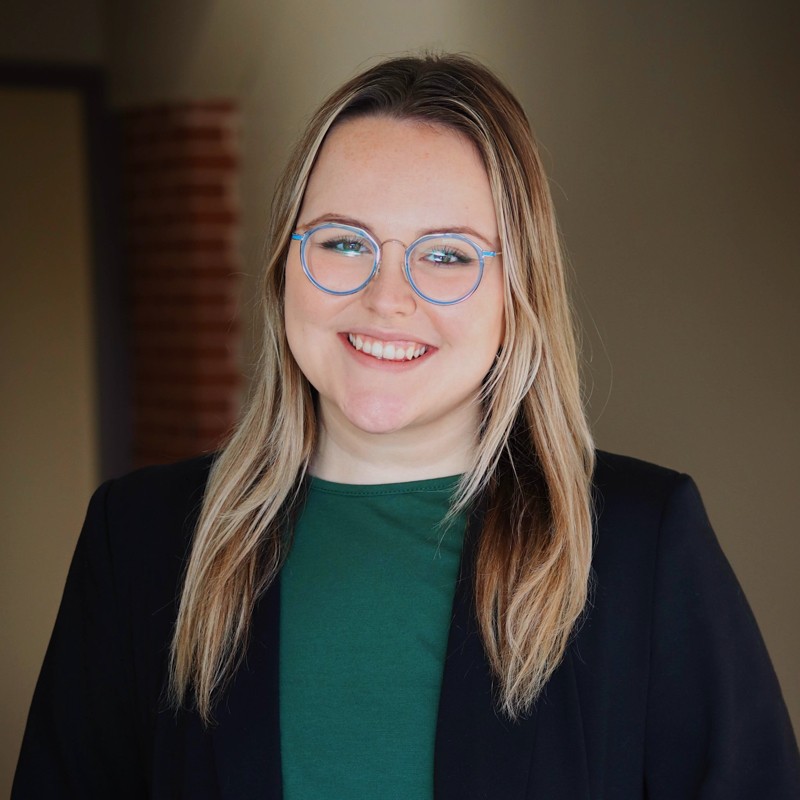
[406, 179]
[381, 586]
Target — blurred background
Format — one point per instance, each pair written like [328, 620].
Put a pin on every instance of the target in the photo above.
[139, 145]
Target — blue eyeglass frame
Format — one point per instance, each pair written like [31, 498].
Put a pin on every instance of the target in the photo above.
[482, 254]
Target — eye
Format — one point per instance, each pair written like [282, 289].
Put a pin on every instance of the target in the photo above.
[446, 256]
[346, 246]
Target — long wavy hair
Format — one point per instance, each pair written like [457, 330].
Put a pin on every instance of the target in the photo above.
[531, 470]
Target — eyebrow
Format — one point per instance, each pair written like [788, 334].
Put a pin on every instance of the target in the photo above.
[356, 223]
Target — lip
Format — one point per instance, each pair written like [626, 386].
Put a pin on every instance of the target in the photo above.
[381, 363]
[387, 335]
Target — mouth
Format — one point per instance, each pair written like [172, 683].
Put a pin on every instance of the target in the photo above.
[387, 351]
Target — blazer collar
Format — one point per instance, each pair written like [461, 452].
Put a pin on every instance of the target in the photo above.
[247, 739]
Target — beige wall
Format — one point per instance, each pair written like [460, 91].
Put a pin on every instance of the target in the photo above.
[47, 382]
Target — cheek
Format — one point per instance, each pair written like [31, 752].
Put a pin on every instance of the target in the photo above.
[476, 336]
[309, 316]
[302, 302]
[297, 310]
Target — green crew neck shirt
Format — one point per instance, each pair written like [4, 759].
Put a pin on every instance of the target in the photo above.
[366, 599]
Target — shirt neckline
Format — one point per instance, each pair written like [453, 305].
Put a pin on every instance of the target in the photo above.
[447, 483]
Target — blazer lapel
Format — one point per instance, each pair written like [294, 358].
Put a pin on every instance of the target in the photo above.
[559, 768]
[247, 743]
[479, 753]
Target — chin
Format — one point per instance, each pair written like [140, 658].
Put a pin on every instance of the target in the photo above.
[377, 415]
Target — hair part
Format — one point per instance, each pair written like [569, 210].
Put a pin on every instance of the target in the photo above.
[532, 467]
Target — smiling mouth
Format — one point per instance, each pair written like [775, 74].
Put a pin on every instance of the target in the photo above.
[387, 351]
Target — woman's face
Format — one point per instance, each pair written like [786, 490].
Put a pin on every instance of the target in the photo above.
[398, 180]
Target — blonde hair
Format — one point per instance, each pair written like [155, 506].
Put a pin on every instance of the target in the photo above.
[531, 470]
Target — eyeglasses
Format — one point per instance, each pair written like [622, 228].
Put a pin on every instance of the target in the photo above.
[442, 268]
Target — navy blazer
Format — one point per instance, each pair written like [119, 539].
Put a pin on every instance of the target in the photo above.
[666, 691]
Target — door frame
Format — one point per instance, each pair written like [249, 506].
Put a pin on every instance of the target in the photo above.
[108, 274]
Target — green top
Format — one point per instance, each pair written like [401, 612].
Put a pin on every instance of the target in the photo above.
[366, 598]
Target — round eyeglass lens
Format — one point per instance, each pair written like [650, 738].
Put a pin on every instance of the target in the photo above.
[445, 269]
[339, 259]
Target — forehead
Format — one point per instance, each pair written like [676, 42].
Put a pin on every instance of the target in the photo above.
[402, 173]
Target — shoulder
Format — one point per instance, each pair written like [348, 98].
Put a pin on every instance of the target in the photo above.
[669, 650]
[142, 524]
[656, 557]
[647, 518]
[622, 483]
[157, 495]
[653, 549]
[635, 502]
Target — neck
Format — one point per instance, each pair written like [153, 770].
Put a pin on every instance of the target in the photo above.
[346, 454]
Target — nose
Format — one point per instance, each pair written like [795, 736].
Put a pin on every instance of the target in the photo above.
[389, 293]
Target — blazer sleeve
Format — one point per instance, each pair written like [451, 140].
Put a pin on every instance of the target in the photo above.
[81, 740]
[717, 727]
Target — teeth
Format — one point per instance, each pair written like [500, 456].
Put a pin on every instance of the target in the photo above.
[386, 350]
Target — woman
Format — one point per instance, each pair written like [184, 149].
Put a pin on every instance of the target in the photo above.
[379, 587]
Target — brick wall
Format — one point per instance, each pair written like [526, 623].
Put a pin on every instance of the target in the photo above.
[180, 169]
